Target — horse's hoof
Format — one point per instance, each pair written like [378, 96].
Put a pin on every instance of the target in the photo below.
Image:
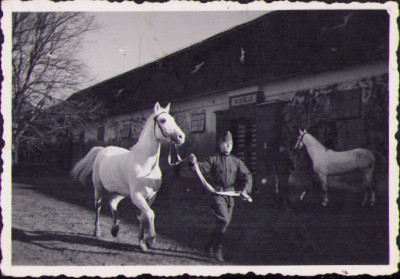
[324, 204]
[372, 204]
[150, 242]
[142, 245]
[364, 202]
[114, 231]
[96, 233]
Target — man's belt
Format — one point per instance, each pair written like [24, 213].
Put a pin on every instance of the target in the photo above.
[201, 177]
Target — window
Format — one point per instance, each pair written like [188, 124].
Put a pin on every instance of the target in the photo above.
[100, 133]
[126, 131]
[198, 122]
[346, 104]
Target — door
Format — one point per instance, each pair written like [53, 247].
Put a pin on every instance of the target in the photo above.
[244, 133]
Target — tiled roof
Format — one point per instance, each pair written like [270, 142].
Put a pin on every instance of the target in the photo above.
[277, 45]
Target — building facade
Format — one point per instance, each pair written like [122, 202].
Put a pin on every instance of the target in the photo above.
[263, 81]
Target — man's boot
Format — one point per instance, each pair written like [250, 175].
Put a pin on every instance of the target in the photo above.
[218, 246]
[210, 251]
[218, 253]
[209, 248]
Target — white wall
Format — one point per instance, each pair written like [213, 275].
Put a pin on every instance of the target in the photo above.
[209, 103]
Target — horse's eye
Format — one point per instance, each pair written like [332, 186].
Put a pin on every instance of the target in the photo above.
[163, 120]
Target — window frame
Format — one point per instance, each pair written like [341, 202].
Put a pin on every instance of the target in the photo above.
[198, 125]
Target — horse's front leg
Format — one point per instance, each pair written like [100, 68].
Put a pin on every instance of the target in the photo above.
[324, 183]
[148, 214]
[142, 242]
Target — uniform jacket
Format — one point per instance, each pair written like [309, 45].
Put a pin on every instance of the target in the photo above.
[227, 171]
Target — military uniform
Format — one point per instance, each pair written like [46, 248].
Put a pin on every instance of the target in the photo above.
[281, 168]
[227, 171]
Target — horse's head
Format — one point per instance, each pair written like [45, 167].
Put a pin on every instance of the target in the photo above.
[165, 127]
[300, 143]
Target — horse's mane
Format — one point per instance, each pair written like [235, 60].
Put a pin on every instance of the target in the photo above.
[315, 139]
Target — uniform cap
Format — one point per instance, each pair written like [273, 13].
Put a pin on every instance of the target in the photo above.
[226, 136]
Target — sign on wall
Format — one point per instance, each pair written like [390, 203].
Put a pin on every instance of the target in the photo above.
[244, 99]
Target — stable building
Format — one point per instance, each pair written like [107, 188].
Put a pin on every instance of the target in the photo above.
[322, 70]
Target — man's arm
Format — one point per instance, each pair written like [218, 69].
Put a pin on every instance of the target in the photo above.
[204, 166]
[246, 177]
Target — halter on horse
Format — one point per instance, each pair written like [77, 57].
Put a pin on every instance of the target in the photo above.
[118, 173]
[328, 162]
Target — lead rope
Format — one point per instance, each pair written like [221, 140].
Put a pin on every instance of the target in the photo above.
[203, 181]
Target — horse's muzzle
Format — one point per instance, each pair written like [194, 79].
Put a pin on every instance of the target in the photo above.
[179, 139]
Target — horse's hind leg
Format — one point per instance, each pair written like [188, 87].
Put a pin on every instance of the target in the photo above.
[369, 187]
[97, 208]
[114, 201]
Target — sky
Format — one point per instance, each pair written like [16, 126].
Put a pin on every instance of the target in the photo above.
[127, 40]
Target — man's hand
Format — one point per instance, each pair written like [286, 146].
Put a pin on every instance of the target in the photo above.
[192, 160]
[245, 196]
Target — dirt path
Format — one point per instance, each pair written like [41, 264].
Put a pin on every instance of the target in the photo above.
[47, 231]
[52, 223]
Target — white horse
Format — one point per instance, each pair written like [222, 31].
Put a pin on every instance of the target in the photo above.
[328, 162]
[118, 173]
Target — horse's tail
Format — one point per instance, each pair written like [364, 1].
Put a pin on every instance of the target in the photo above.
[84, 167]
[383, 160]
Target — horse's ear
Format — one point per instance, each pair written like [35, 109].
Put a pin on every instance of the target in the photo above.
[305, 131]
[167, 107]
[157, 107]
[300, 131]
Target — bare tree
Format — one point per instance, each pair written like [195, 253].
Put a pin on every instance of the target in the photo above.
[45, 70]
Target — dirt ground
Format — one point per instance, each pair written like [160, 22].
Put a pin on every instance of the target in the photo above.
[52, 224]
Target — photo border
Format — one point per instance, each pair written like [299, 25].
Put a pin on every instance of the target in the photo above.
[107, 271]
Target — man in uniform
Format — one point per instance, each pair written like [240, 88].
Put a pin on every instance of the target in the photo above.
[227, 171]
[282, 166]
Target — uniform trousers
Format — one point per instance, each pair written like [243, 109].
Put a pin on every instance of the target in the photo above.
[222, 208]
[283, 181]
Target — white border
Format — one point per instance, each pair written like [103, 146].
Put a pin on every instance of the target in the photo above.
[106, 271]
